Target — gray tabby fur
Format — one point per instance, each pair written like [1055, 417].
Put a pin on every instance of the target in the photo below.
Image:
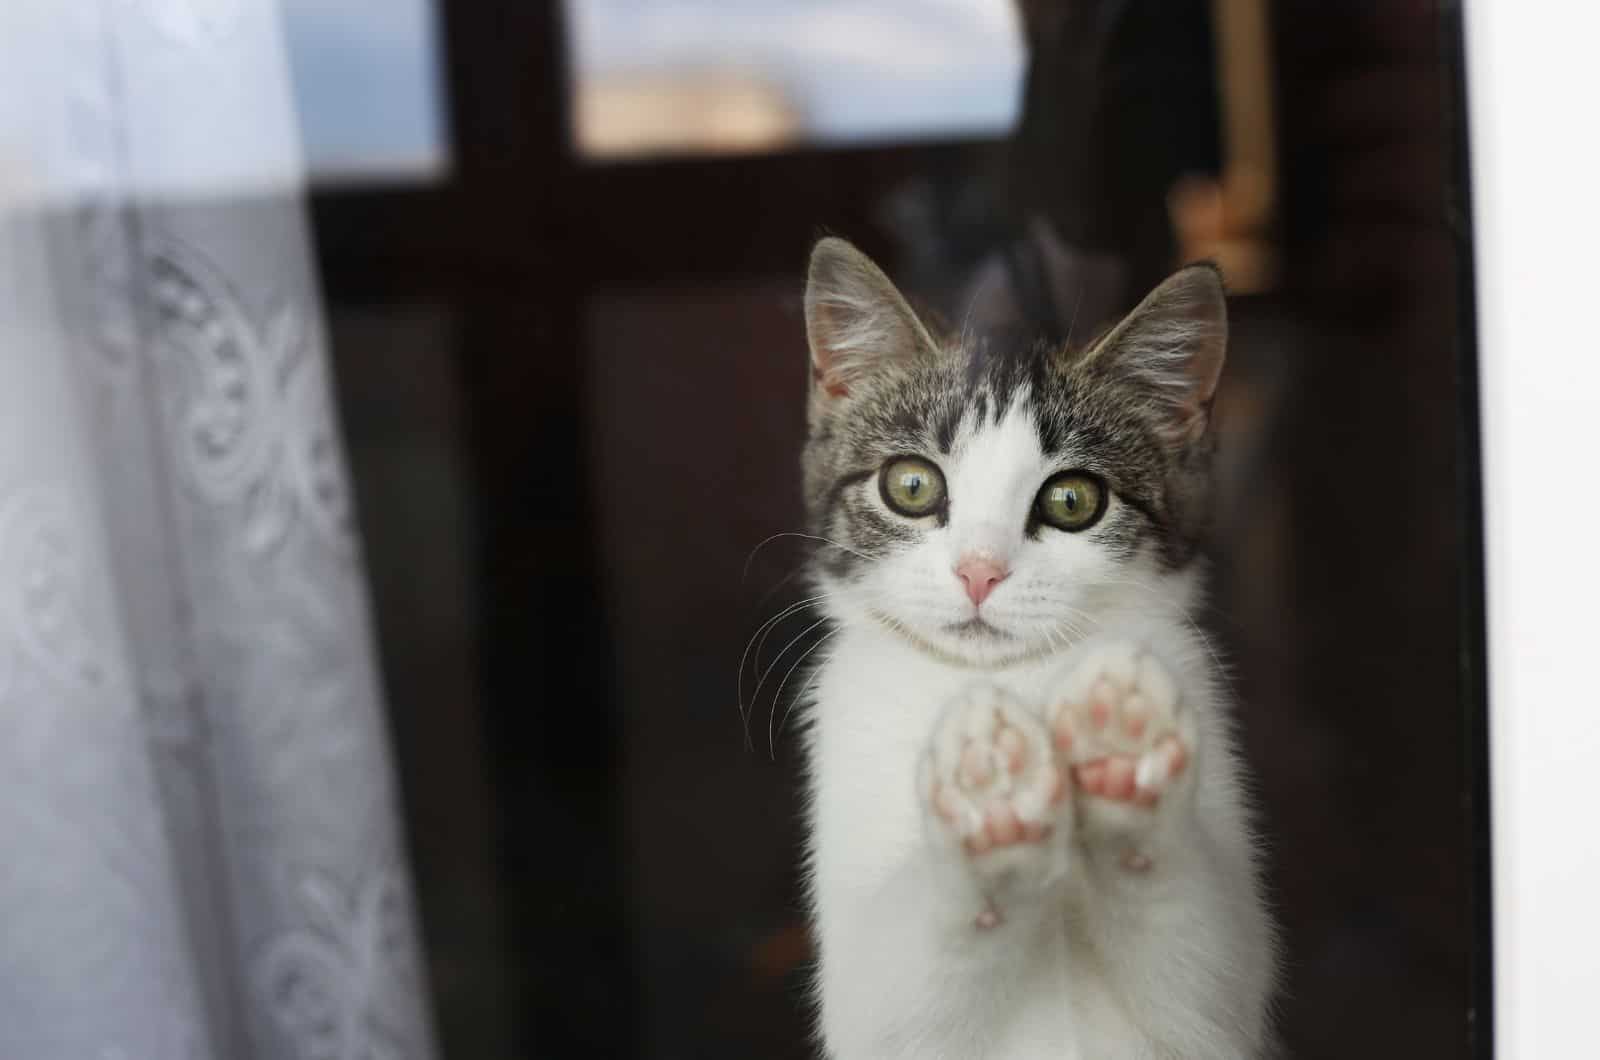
[911, 385]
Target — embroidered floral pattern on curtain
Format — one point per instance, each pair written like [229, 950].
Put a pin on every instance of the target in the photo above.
[201, 852]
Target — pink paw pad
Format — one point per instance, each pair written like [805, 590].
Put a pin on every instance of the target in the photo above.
[990, 777]
[1117, 722]
[1135, 862]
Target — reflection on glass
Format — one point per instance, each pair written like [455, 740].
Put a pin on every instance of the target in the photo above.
[709, 76]
[366, 84]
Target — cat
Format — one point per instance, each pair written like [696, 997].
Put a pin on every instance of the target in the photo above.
[1028, 833]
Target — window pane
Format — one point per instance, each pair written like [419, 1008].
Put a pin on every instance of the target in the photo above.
[366, 84]
[752, 75]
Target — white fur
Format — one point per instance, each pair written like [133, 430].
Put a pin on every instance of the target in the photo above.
[1105, 963]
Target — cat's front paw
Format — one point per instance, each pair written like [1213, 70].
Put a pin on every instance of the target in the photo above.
[993, 790]
[1120, 722]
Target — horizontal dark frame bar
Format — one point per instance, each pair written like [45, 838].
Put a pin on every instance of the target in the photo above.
[616, 224]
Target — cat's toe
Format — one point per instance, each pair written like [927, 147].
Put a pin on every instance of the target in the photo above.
[1119, 723]
[989, 778]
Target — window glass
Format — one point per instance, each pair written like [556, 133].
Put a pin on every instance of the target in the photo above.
[750, 75]
[367, 87]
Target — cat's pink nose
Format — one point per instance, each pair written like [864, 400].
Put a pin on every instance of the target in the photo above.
[980, 576]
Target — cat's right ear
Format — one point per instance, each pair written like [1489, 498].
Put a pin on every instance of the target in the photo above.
[856, 320]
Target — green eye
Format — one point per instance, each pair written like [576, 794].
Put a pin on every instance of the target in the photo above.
[1072, 500]
[912, 486]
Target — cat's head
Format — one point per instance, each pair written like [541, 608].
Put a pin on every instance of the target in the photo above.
[993, 503]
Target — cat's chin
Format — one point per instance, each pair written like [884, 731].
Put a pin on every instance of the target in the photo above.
[973, 643]
[976, 629]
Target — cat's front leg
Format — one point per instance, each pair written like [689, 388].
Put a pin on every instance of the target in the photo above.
[1170, 900]
[1121, 722]
[926, 956]
[996, 802]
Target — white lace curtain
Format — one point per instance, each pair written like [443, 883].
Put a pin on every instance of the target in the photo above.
[199, 848]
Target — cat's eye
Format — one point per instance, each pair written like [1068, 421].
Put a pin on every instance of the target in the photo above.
[1072, 500]
[912, 486]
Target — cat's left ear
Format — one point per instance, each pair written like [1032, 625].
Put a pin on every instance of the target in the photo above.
[1172, 346]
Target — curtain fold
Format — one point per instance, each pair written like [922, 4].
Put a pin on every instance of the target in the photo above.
[200, 852]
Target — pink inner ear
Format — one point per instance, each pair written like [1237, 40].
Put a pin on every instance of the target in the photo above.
[832, 388]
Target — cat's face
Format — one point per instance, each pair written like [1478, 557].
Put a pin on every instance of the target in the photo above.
[991, 503]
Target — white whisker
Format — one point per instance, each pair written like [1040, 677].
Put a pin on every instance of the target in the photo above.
[766, 631]
[795, 534]
[1182, 612]
[777, 697]
[762, 632]
[796, 639]
[812, 683]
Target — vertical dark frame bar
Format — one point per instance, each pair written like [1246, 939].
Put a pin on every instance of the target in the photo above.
[545, 675]
[1469, 469]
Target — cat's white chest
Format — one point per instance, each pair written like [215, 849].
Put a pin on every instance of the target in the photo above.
[876, 703]
[1113, 949]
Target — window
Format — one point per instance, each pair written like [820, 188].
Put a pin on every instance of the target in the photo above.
[367, 88]
[714, 76]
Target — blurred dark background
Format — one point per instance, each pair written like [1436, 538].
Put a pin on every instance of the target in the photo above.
[571, 376]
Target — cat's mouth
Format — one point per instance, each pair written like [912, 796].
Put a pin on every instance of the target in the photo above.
[976, 628]
[974, 642]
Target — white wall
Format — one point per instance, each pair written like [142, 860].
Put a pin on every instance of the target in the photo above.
[1533, 82]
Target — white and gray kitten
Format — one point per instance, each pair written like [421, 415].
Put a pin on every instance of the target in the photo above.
[1028, 828]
